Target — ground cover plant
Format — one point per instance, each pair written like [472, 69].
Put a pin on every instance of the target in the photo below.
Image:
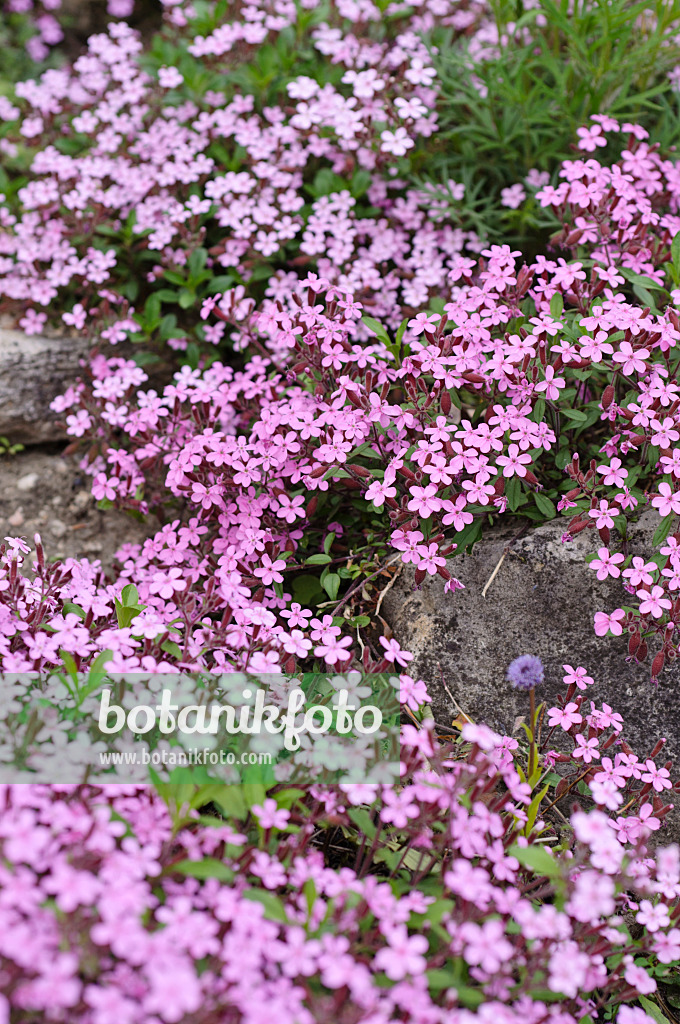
[309, 363]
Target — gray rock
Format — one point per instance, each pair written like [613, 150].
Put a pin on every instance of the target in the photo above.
[28, 482]
[33, 371]
[542, 602]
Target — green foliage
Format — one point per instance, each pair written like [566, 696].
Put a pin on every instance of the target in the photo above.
[558, 64]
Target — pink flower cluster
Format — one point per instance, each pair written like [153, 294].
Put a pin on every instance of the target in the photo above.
[118, 906]
[114, 145]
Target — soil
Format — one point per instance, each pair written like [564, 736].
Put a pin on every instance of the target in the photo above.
[42, 491]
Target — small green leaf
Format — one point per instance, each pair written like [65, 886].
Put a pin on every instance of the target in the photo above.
[400, 330]
[675, 251]
[129, 596]
[209, 867]
[318, 559]
[545, 505]
[556, 306]
[537, 859]
[331, 584]
[513, 492]
[574, 414]
[653, 1010]
[663, 529]
[274, 909]
[377, 328]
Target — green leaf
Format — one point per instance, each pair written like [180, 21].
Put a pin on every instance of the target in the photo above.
[274, 909]
[675, 251]
[74, 609]
[533, 808]
[468, 535]
[513, 492]
[575, 414]
[653, 1010]
[438, 978]
[663, 529]
[556, 306]
[400, 330]
[537, 859]
[97, 671]
[545, 505]
[318, 559]
[331, 584]
[209, 867]
[129, 596]
[125, 614]
[539, 410]
[377, 328]
[363, 821]
[231, 802]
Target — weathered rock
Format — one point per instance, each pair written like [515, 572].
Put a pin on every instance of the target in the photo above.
[61, 509]
[33, 371]
[542, 601]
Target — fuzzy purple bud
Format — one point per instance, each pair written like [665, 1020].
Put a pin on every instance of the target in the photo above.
[525, 672]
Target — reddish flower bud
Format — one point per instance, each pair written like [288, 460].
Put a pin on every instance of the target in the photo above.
[311, 506]
[607, 396]
[420, 576]
[573, 236]
[657, 664]
[445, 402]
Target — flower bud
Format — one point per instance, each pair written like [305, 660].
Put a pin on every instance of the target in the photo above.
[657, 664]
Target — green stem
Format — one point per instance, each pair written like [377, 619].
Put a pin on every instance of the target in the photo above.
[532, 745]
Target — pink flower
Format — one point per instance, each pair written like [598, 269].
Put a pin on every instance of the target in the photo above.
[332, 650]
[269, 815]
[424, 322]
[607, 564]
[394, 653]
[633, 362]
[666, 500]
[604, 514]
[403, 956]
[586, 749]
[654, 603]
[424, 500]
[514, 463]
[485, 945]
[165, 584]
[605, 622]
[551, 385]
[577, 677]
[564, 717]
[270, 572]
[614, 474]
